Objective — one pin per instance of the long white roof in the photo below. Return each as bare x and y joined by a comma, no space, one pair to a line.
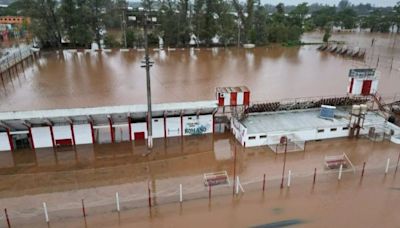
165,107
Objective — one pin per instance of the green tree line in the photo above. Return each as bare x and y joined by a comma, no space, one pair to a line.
231,22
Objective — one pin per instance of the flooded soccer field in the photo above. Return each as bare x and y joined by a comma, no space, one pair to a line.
63,177
271,73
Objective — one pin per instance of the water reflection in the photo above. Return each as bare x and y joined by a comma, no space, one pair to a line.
105,155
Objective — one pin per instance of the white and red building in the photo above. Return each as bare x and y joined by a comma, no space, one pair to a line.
70,127
363,82
233,96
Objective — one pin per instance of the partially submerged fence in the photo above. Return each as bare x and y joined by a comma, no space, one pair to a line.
153,196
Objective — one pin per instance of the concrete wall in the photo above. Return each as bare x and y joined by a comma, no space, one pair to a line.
42,137
197,125
83,134
173,126
62,132
158,128
4,142
252,140
139,127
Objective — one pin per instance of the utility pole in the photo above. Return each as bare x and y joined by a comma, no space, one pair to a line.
123,26
147,65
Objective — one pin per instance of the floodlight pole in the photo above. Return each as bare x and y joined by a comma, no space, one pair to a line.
148,64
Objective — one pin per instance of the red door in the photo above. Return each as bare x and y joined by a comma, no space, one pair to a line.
366,88
220,99
233,98
246,98
139,135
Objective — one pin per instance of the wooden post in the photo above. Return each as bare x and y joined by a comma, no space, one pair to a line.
83,208
340,172
209,191
315,175
7,219
397,165
362,172
263,188
149,193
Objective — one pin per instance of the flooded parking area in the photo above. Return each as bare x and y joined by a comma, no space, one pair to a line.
271,73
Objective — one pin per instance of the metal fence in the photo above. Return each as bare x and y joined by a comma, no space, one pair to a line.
146,194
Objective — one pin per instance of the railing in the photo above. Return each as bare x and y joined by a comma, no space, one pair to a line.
14,56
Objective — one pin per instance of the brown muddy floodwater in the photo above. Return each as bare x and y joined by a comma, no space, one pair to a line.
96,173
271,73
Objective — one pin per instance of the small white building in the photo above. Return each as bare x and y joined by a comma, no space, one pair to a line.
265,129
233,96
363,82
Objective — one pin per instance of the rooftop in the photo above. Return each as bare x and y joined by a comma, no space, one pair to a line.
301,120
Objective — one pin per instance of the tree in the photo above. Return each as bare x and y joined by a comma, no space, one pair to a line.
74,15
97,13
324,16
347,18
298,15
46,24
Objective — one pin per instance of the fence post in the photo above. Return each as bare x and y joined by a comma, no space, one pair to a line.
117,200
149,193
397,165
7,219
83,208
46,215
264,183
289,178
340,172
362,173
180,193
237,185
387,166
315,175
209,191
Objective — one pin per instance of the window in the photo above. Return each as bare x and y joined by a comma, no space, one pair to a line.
333,129
263,136
155,120
190,118
320,130
252,137
345,128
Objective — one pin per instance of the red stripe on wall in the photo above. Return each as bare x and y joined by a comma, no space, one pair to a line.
130,128
111,130
181,126
92,129
31,137
165,127
10,140
351,85
52,135
73,134
213,123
